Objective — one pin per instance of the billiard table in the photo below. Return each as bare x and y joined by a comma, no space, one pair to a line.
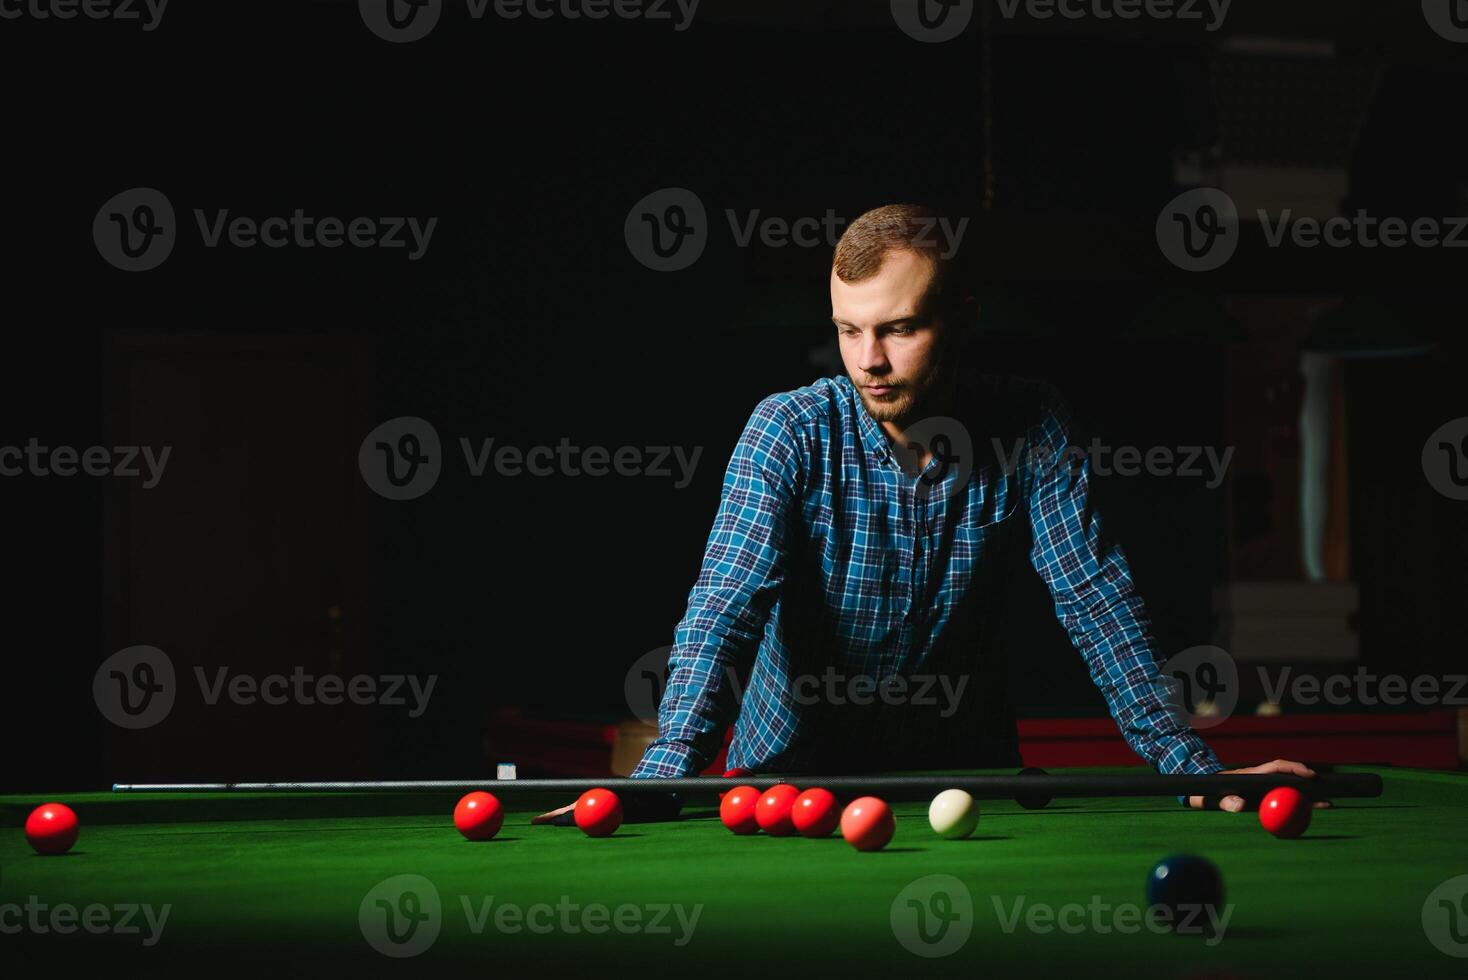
257,883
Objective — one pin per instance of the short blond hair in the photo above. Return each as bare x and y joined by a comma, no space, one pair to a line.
897,227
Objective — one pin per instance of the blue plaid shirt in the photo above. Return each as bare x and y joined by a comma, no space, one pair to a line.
844,620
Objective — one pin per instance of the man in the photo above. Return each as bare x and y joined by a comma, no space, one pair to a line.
857,558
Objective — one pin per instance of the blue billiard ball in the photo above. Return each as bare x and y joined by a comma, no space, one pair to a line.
1190,888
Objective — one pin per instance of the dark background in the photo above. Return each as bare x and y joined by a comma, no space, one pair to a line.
529,320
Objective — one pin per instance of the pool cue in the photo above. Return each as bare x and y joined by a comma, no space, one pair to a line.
1252,785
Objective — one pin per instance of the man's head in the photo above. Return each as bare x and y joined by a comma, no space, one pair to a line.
897,309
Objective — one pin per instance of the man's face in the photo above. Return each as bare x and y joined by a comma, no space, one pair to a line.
891,344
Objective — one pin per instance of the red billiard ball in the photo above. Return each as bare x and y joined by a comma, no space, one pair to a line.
599,813
736,810
1285,812
867,824
772,812
52,828
479,816
815,813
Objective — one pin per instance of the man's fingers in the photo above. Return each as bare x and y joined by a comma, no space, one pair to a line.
545,818
1321,804
1237,804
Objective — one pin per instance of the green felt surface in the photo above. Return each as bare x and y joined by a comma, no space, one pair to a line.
243,895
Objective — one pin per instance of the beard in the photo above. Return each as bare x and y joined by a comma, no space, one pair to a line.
910,398
896,405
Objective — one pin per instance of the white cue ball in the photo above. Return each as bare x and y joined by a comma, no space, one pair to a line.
953,814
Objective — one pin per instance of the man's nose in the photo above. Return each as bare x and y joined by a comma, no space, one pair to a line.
871,357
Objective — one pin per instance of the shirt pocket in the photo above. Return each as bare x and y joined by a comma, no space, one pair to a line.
978,539
992,497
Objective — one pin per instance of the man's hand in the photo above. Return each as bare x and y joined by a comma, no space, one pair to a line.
1234,804
551,817
637,807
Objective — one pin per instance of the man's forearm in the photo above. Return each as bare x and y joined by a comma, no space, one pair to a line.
1116,642
737,582
697,707
664,761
